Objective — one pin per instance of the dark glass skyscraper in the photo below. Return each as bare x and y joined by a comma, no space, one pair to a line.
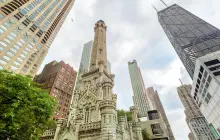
190,36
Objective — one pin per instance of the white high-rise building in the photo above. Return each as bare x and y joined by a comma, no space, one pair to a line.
206,91
140,98
196,121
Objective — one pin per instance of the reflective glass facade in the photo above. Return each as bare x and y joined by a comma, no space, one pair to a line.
190,36
27,29
85,61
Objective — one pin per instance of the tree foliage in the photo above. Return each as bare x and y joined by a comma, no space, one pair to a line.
145,135
25,109
123,113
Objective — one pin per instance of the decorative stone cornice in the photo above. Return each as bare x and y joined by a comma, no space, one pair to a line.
136,124
133,108
90,126
92,71
121,118
107,103
48,133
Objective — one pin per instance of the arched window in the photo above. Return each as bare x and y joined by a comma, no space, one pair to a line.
87,115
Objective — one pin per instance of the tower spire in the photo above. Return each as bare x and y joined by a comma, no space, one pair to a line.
99,53
164,3
155,8
181,82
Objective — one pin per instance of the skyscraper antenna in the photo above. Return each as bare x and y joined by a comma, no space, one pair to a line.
181,82
164,3
154,8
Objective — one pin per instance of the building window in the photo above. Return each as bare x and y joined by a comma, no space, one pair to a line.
212,62
156,129
10,37
6,40
10,54
13,50
3,27
209,79
13,68
216,73
19,59
2,43
1,48
87,115
16,63
16,47
2,62
1,31
152,115
201,69
6,58
19,43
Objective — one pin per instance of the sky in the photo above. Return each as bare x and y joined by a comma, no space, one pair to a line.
133,32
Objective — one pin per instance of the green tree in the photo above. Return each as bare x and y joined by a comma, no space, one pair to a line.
123,112
145,135
25,109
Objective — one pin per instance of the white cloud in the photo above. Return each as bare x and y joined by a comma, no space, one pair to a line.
133,33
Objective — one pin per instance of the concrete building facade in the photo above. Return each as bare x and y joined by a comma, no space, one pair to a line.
93,114
190,36
155,126
206,91
196,121
27,30
140,98
59,79
155,103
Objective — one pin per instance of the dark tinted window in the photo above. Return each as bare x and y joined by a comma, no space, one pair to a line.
212,62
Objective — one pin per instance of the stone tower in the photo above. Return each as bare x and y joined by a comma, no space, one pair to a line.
99,53
93,114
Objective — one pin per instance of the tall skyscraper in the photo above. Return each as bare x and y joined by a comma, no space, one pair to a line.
190,36
196,121
85,61
59,79
27,29
206,89
139,98
155,102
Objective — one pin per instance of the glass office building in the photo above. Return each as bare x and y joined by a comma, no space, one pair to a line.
27,29
190,36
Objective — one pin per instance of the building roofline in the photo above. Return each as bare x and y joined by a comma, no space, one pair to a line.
166,8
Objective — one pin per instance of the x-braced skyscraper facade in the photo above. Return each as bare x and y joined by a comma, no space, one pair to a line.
27,30
190,36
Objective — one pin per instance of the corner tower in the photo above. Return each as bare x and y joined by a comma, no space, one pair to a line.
99,52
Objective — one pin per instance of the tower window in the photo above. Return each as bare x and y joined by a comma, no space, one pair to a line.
100,51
